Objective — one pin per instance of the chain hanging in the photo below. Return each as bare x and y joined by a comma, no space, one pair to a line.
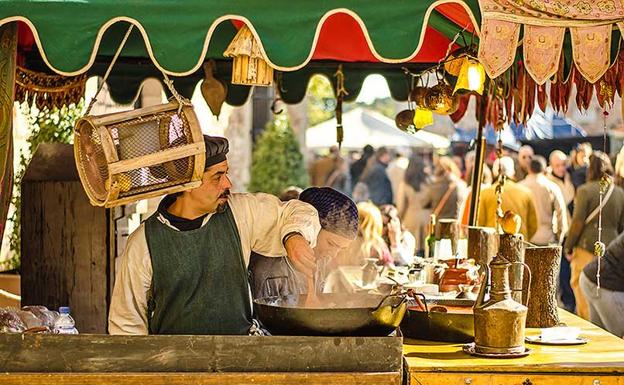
502,178
605,182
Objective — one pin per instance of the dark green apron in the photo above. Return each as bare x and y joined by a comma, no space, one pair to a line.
199,282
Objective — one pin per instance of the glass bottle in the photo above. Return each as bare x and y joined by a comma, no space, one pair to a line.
430,239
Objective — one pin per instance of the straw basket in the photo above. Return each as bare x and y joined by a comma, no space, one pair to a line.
133,155
248,67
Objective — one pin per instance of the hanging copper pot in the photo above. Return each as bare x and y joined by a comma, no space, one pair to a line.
440,99
404,119
419,96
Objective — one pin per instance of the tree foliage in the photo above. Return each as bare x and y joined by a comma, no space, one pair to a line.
45,126
277,159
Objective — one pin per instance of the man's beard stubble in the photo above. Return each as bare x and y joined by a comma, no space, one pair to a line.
222,206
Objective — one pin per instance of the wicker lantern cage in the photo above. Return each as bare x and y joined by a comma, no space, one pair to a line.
133,155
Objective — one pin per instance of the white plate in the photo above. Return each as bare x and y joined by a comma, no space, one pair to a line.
538,340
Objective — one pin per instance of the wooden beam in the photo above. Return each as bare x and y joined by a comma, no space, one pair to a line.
103,353
8,52
390,378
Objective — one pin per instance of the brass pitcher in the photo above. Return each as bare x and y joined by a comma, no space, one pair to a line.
499,323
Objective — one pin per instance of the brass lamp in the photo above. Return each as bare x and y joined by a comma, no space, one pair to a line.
471,76
422,118
249,67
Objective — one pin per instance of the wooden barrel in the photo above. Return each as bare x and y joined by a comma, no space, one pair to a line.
482,245
511,248
544,262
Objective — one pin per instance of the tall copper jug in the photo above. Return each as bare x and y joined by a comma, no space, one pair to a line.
499,323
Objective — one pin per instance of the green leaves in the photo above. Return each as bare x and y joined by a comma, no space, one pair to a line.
277,159
45,126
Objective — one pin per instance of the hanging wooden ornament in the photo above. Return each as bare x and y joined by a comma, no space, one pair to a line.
341,92
249,66
213,90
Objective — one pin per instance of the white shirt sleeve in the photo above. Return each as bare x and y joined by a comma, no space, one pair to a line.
263,222
128,309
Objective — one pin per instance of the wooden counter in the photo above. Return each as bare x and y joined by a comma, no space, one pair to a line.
599,362
177,360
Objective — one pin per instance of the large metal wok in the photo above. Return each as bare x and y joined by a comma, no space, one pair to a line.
448,320
332,314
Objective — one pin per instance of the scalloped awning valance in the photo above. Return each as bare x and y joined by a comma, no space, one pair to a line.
178,36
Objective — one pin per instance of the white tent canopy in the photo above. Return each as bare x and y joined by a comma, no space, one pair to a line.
362,127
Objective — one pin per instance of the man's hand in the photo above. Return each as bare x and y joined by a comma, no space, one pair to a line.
301,254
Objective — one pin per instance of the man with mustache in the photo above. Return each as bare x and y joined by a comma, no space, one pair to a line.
184,270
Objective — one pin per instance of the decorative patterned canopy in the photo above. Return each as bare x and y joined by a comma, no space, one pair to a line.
592,24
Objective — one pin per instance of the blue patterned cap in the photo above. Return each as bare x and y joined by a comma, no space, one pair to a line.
337,212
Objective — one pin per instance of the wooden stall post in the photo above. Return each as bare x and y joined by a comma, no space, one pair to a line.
8,52
544,263
67,256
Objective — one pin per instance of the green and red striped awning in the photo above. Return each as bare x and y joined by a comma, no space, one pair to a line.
299,38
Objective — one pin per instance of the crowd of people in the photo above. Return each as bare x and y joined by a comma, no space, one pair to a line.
557,199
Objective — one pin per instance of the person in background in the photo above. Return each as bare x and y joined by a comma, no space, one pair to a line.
396,173
606,305
558,173
459,162
619,168
376,178
369,242
412,212
357,167
579,245
516,198
525,154
340,179
486,181
580,162
469,161
400,241
323,167
447,191
290,193
552,213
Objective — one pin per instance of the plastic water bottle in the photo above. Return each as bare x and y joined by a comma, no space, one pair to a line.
65,324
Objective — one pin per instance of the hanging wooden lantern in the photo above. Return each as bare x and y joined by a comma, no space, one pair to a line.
128,156
249,67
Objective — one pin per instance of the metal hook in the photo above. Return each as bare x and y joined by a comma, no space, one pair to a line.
274,105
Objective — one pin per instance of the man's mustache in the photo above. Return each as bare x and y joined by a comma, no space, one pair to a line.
225,194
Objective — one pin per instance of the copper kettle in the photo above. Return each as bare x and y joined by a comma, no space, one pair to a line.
500,322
